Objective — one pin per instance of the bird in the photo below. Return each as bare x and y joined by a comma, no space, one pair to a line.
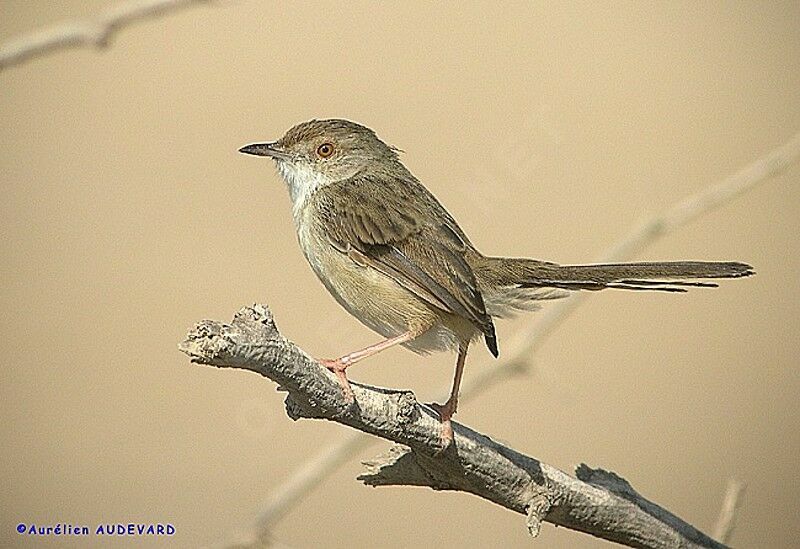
394,258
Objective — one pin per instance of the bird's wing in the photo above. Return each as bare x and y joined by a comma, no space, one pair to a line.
400,229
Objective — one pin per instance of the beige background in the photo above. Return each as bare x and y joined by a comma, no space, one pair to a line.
548,130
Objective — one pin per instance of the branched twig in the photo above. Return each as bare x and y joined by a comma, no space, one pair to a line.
727,515
95,33
517,354
597,502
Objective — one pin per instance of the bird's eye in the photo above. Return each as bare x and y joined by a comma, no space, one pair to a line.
325,150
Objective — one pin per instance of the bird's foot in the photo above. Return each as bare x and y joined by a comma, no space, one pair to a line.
338,367
445,412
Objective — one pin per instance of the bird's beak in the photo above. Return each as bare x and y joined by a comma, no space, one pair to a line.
272,150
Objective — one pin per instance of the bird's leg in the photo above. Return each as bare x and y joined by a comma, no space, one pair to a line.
447,409
339,365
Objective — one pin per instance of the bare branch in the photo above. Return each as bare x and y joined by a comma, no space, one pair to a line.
95,33
516,357
596,502
727,515
319,467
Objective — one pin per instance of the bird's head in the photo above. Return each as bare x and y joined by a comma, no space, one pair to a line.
320,152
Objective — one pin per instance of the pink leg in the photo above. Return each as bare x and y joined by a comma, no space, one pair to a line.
339,365
447,409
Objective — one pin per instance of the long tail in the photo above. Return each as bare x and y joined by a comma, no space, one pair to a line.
670,276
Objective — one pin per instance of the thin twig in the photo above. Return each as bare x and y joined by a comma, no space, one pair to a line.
96,33
517,354
727,515
308,474
594,501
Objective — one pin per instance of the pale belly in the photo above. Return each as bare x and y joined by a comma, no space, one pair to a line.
378,301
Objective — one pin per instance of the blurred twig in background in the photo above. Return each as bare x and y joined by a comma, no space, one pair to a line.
517,359
727,515
95,33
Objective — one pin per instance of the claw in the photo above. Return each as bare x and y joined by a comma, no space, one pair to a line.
447,435
445,413
338,368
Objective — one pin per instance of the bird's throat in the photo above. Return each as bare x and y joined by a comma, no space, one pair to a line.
302,181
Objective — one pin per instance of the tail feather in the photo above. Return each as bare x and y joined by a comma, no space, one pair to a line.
655,276
668,286
510,284
671,276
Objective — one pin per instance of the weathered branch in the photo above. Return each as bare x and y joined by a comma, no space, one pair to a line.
596,502
95,33
517,355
